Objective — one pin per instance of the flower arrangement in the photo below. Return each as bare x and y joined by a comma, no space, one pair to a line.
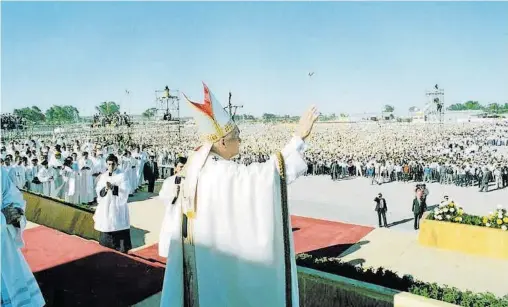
497,219
448,211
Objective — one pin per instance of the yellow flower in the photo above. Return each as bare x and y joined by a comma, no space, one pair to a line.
499,221
485,220
452,205
460,211
505,220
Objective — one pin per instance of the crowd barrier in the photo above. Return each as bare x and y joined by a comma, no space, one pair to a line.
59,215
320,289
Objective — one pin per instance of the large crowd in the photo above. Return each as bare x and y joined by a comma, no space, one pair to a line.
115,120
12,122
67,166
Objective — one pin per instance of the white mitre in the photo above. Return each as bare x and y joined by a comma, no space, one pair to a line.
213,122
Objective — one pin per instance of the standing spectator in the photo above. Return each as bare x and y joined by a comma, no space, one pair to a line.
419,207
381,209
151,173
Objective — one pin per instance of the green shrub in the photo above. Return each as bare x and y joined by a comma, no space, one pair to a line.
406,283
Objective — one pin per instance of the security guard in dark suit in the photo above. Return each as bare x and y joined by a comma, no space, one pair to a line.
419,206
381,209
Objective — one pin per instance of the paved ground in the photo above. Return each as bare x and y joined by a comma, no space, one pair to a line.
351,201
400,252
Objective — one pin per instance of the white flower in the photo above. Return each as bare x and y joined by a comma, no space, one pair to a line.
499,207
448,216
504,228
445,209
452,209
488,224
500,215
436,210
439,217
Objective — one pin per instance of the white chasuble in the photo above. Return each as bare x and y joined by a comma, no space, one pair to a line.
112,212
19,287
238,233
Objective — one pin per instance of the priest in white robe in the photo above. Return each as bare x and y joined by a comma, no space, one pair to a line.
19,287
99,167
232,244
45,176
112,213
18,174
86,187
34,184
69,177
126,168
134,174
168,194
57,184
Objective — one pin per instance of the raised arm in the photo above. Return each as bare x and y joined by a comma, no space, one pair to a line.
293,152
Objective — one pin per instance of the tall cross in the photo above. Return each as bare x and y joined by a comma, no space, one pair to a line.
231,107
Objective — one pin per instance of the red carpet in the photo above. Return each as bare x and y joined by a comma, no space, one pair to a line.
75,272
313,236
151,254
325,238
72,271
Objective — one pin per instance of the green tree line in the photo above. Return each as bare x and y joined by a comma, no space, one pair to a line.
475,105
62,114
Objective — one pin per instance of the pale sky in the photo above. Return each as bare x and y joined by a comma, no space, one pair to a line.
364,55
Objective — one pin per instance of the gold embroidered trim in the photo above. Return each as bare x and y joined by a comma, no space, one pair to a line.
285,229
220,131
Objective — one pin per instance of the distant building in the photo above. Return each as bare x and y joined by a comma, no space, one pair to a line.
461,116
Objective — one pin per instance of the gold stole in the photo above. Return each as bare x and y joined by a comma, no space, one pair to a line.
285,229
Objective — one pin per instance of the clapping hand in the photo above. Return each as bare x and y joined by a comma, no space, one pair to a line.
307,122
12,215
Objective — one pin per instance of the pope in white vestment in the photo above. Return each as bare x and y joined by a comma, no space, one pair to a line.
231,241
19,287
